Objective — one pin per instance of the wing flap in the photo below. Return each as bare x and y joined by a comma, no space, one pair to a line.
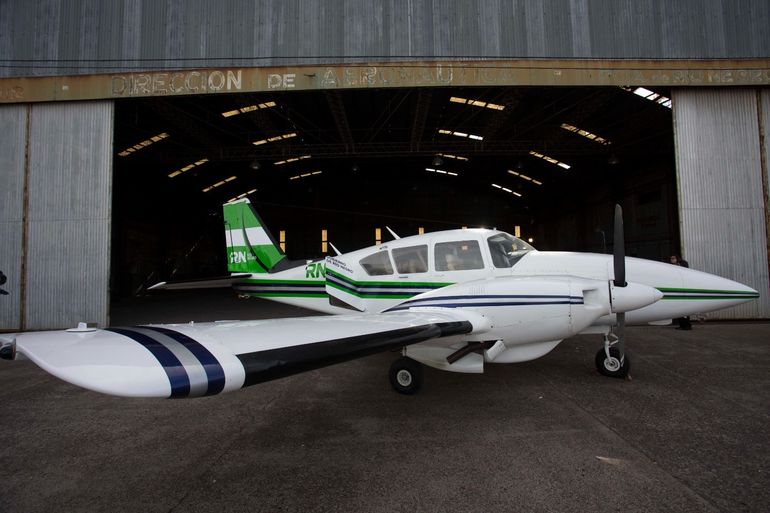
275,363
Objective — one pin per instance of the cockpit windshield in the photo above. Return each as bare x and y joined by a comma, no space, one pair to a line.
506,250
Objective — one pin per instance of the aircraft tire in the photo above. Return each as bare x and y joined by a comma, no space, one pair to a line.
611,366
406,376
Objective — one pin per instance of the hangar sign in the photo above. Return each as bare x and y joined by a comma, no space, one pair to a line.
181,82
668,73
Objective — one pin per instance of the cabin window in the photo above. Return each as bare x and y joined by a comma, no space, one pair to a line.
377,264
507,250
413,259
458,256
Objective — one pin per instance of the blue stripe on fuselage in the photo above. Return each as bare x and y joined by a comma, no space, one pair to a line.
454,303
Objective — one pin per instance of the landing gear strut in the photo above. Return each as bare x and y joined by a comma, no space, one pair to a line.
406,376
608,359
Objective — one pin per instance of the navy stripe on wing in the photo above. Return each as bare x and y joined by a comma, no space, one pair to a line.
177,375
214,371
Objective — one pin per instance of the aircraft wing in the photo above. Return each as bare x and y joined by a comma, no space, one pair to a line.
199,359
201,283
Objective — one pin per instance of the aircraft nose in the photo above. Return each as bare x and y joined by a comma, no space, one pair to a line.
713,290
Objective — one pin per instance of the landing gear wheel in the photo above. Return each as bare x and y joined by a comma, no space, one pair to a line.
406,376
611,366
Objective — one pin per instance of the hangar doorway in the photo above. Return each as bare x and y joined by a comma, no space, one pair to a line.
547,161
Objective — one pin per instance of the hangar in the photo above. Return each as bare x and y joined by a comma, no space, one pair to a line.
127,126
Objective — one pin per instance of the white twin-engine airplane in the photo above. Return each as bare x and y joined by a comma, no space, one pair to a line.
454,300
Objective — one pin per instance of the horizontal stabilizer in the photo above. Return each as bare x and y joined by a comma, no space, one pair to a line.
201,283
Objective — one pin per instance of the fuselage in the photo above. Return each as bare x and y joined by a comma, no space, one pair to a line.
383,277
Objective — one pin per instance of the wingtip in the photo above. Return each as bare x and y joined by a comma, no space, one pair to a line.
8,347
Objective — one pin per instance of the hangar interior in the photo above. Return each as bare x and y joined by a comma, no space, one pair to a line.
546,162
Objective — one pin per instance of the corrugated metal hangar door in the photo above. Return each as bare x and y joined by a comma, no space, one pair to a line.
720,161
55,223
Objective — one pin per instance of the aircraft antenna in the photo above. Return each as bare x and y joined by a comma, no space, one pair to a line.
395,236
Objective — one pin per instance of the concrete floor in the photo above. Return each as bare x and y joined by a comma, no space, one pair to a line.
689,432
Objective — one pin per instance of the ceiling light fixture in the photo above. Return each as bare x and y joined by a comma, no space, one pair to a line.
550,160
293,159
305,175
252,191
440,171
476,103
506,189
249,108
220,183
525,177
460,134
275,139
649,95
143,144
585,133
450,156
187,168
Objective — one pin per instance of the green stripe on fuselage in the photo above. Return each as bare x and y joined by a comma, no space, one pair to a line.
681,294
257,281
393,284
373,295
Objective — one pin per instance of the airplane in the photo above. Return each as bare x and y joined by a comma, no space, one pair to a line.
454,300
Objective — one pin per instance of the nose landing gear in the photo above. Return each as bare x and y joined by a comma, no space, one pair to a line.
609,361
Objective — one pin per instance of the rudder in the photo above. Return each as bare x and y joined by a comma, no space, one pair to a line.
250,246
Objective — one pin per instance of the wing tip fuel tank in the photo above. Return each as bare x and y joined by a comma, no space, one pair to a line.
133,362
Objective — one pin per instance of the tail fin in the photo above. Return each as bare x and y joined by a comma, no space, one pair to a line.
250,246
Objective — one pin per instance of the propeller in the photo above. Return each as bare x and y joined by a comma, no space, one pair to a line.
619,266
619,256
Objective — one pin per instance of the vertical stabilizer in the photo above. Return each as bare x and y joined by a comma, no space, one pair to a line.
250,246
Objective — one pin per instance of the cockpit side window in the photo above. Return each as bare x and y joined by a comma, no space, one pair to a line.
458,255
377,264
413,259
506,250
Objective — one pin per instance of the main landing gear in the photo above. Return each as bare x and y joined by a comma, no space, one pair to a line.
406,376
608,359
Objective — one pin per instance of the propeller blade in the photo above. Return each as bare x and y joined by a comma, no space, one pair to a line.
619,265
618,251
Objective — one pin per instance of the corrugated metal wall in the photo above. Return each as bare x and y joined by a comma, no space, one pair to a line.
147,34
720,184
70,174
764,98
13,127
